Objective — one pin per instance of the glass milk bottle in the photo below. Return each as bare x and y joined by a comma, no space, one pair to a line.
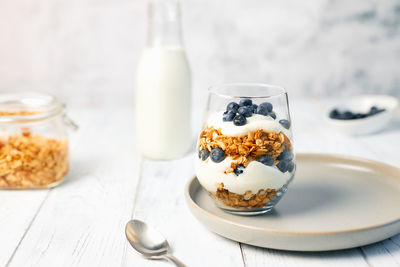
163,86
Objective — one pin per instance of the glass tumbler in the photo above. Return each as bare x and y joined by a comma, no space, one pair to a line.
245,158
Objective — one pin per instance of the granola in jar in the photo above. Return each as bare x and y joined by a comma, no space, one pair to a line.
33,141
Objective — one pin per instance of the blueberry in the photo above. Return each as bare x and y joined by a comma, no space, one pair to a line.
266,160
217,155
239,169
348,115
272,115
228,115
239,120
267,106
334,114
283,165
360,116
340,117
290,166
373,110
245,102
285,123
203,154
254,108
245,111
286,155
232,106
262,110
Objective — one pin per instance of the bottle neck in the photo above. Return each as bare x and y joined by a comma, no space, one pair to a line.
164,24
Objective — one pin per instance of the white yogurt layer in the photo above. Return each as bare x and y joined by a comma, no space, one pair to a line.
256,176
255,122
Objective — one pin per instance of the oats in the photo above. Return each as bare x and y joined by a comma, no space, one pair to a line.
248,200
247,195
259,142
32,160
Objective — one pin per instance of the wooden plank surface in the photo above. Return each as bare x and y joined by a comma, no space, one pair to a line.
161,203
256,257
17,211
81,222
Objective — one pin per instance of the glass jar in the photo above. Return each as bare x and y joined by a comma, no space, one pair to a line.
33,141
245,149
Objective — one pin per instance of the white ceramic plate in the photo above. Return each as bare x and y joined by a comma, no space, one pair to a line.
334,202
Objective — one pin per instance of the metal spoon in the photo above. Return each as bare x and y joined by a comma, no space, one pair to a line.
149,242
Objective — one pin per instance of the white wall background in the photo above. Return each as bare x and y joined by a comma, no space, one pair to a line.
82,49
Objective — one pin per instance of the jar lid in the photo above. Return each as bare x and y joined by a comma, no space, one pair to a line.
28,107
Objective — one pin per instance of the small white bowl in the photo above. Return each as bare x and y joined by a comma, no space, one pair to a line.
362,104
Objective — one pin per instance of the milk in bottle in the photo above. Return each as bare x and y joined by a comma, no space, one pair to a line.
163,86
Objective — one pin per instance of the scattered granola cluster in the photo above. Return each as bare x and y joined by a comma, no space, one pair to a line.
28,161
248,200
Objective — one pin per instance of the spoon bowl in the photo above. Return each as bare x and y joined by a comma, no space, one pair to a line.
148,241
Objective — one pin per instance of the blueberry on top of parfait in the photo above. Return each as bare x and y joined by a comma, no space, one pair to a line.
245,102
262,110
254,108
268,106
245,111
265,109
239,120
228,115
232,106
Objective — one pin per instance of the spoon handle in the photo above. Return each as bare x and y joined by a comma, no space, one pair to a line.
174,260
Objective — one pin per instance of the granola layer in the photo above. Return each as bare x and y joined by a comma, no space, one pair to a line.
248,200
28,161
245,148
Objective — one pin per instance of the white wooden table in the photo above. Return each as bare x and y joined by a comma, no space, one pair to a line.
81,222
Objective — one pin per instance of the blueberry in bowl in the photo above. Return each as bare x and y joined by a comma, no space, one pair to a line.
349,115
362,114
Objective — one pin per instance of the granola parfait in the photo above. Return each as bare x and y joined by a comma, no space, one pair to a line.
245,157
